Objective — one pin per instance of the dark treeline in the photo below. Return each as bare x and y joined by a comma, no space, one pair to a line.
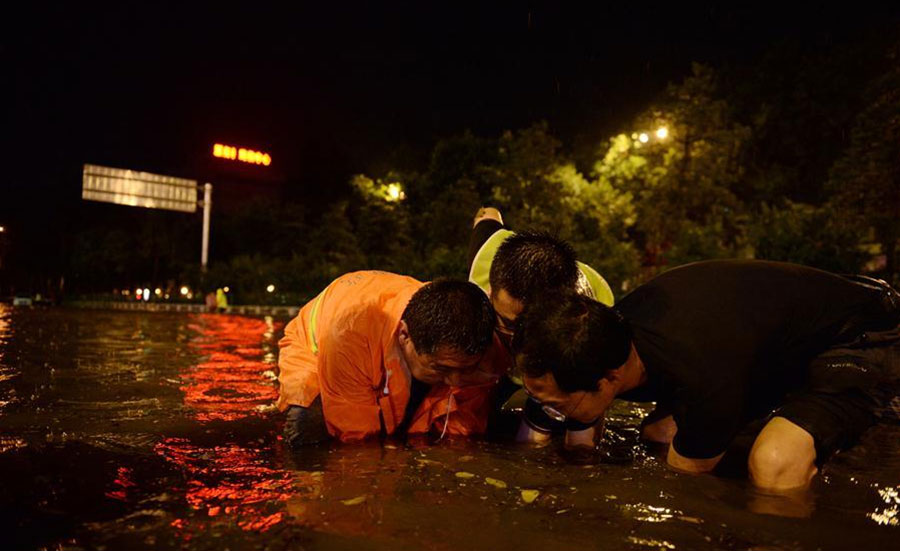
795,157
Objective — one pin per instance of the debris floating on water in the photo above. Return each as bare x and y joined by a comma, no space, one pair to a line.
464,474
529,496
354,501
495,482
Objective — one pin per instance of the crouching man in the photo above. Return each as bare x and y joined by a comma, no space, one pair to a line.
811,357
377,353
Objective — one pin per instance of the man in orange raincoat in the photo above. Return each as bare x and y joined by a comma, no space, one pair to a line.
380,353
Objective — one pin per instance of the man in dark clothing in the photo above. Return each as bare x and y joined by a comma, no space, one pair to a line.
718,345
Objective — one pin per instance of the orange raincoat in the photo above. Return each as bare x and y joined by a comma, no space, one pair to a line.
343,346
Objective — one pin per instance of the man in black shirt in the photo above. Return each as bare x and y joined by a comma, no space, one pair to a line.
718,345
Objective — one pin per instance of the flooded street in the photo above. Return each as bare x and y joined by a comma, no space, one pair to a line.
131,430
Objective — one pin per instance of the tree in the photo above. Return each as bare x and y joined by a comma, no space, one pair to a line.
865,180
682,169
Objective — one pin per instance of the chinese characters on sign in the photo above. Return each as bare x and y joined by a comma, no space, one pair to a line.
232,153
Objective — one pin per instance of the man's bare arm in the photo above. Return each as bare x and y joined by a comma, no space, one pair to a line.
689,465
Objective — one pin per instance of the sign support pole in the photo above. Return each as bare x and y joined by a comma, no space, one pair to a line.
207,207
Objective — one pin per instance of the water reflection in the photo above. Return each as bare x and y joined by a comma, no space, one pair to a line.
235,378
649,513
890,515
654,544
6,372
232,381
228,481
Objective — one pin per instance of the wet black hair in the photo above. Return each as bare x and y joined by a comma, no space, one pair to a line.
452,314
574,337
530,263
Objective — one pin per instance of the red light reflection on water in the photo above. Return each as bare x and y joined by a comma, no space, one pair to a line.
230,483
230,382
121,483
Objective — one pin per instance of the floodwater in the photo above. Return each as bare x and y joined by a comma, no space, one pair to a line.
131,430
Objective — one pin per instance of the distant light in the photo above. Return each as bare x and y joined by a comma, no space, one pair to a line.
139,292
190,296
167,296
395,192
662,133
158,292
227,290
126,292
270,288
242,154
634,135
185,291
146,294
2,229
643,138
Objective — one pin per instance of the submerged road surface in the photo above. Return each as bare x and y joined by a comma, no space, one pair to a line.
132,430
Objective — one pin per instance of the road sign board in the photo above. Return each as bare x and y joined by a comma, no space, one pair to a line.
138,189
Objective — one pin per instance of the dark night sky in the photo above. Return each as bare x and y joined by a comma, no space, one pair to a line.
335,90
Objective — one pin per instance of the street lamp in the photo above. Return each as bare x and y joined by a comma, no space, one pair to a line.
662,133
395,193
270,288
2,229
644,138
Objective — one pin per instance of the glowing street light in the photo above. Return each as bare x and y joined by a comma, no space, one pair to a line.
158,292
2,229
226,289
146,294
395,192
662,133
643,138
184,290
270,288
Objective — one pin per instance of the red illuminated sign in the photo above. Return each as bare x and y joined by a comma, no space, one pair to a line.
232,153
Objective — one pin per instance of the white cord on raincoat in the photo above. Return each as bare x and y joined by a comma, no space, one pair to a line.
447,417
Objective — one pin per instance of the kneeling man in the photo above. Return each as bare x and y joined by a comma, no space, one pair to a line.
380,353
721,344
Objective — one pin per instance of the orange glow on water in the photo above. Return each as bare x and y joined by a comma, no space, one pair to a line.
231,381
234,378
231,482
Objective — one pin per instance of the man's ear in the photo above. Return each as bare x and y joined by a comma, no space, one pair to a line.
403,333
609,381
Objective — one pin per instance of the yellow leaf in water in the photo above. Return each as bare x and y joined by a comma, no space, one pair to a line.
465,458
464,474
530,495
494,482
354,501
